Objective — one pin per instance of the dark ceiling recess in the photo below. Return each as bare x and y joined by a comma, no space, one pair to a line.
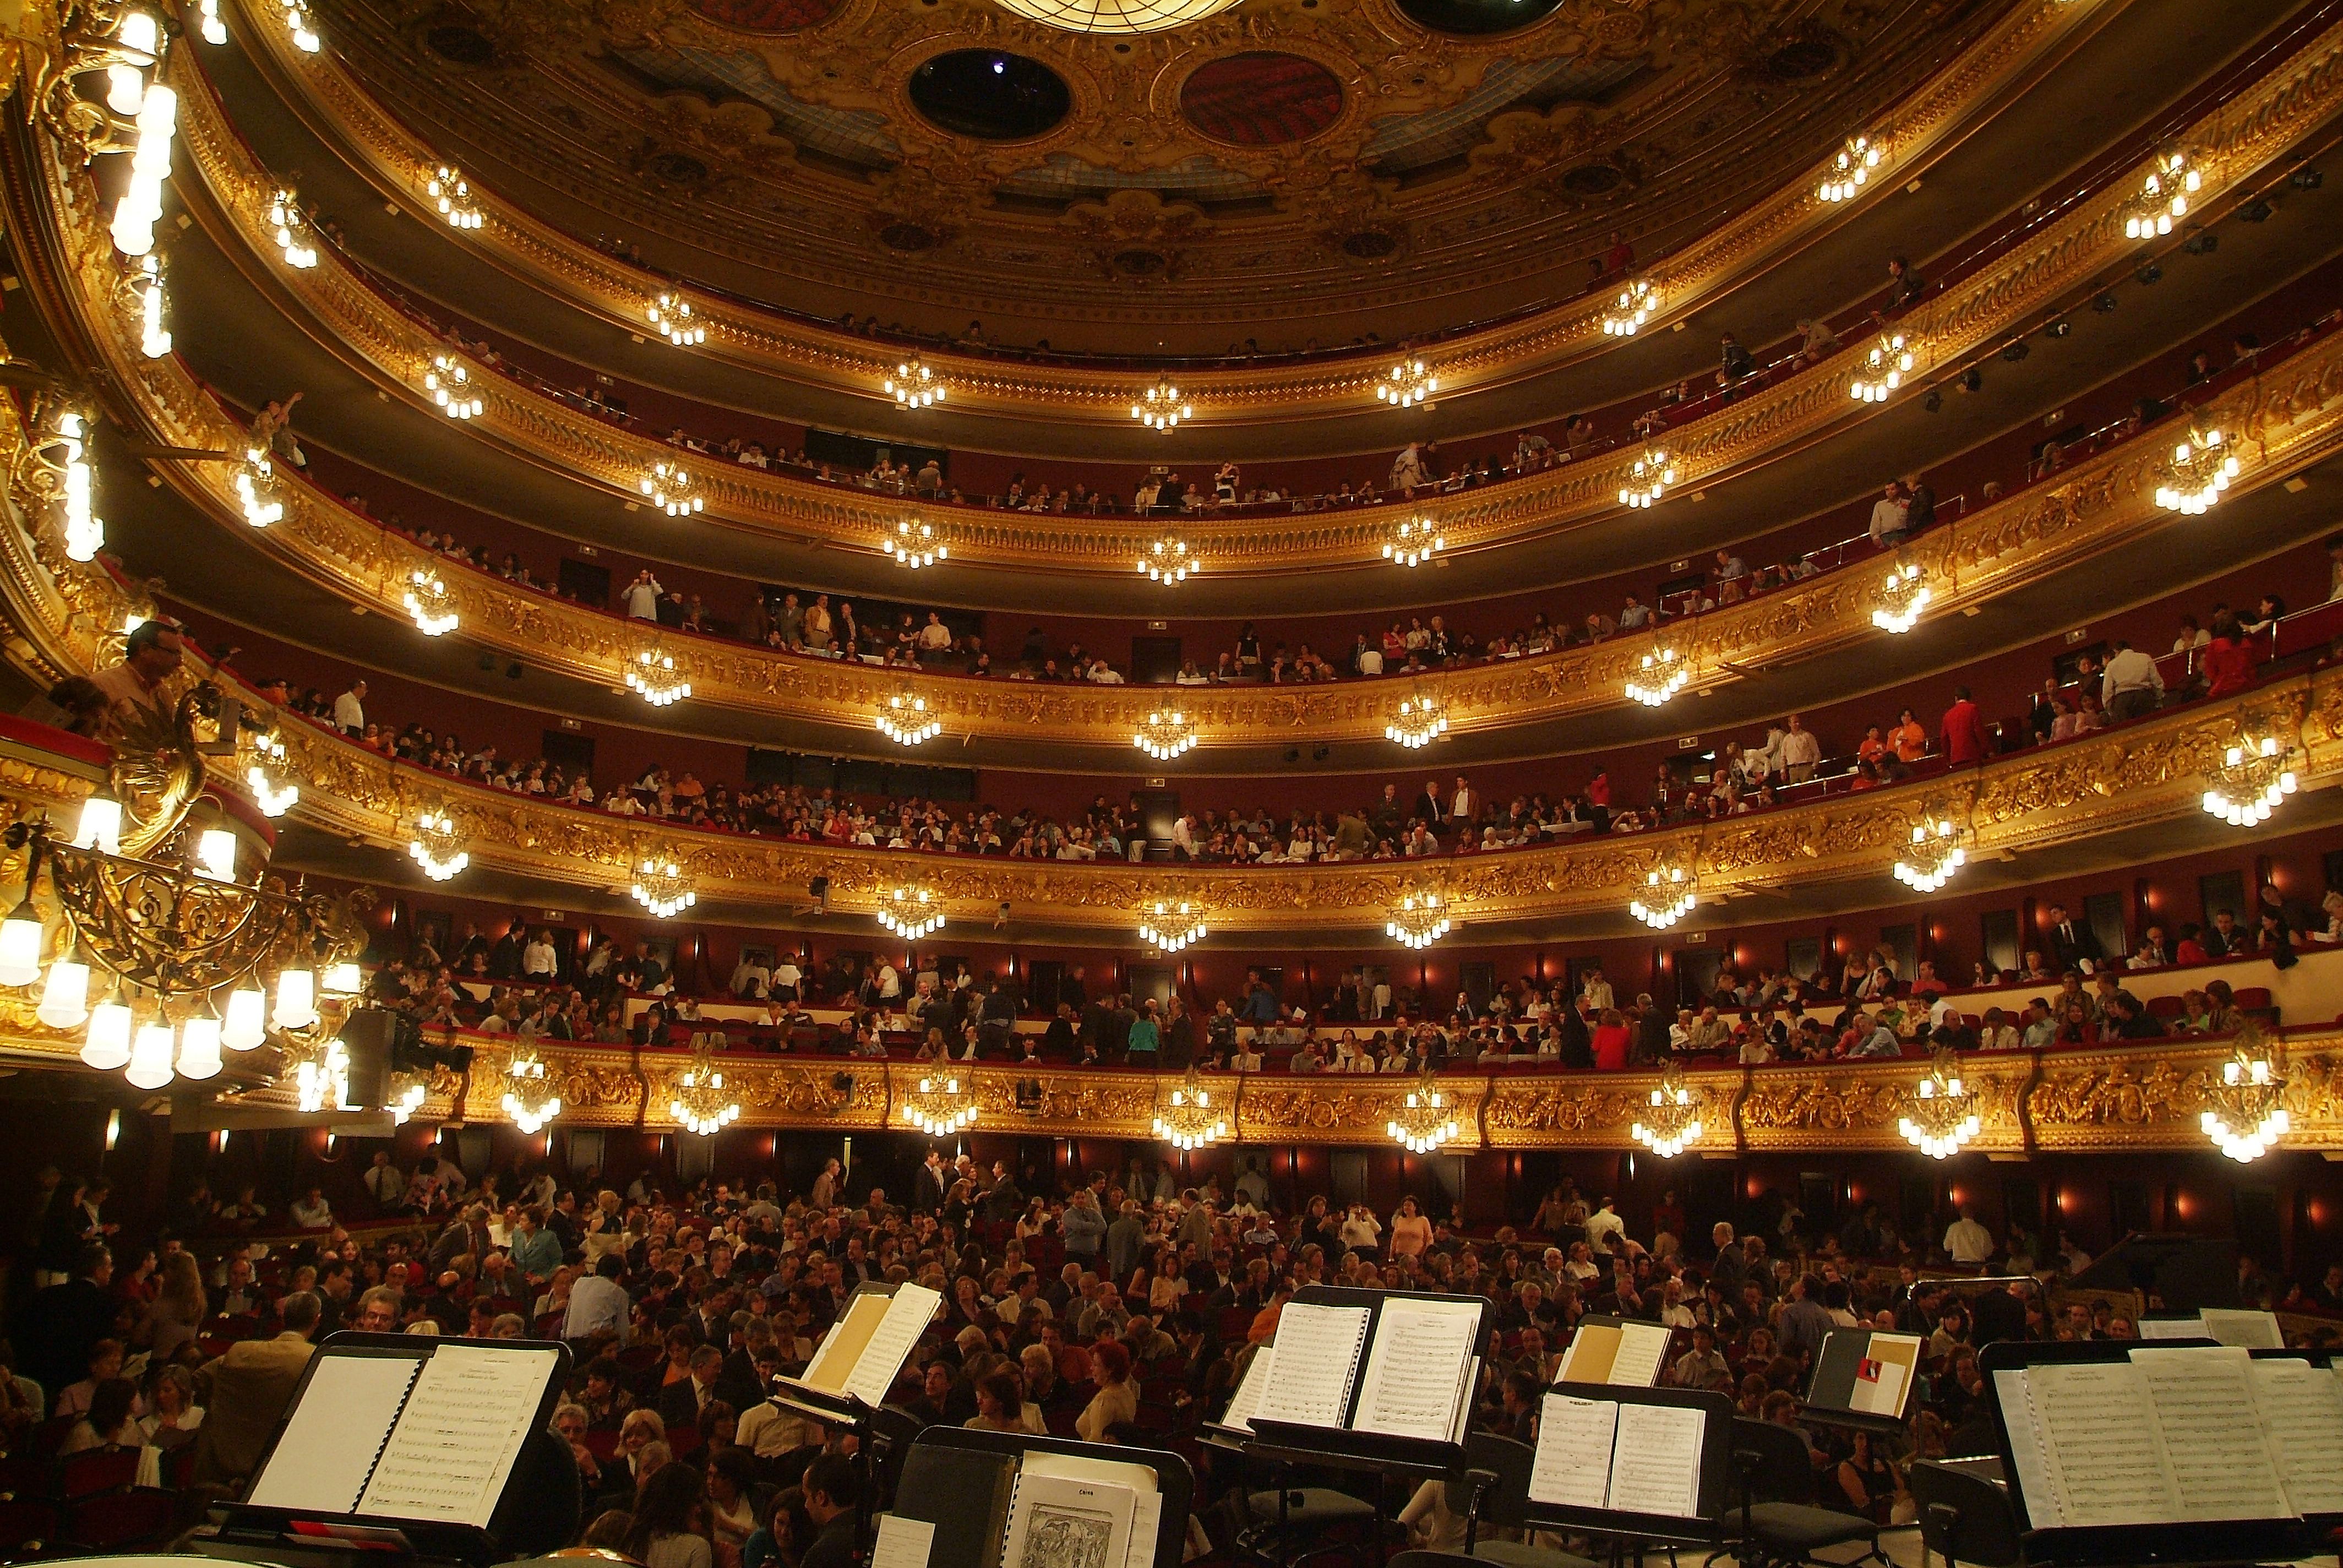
989,95
766,15
1478,17
1261,99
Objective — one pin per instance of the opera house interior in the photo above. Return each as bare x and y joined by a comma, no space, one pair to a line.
1120,783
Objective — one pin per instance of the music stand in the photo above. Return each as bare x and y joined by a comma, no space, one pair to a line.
1713,1493
1863,1381
949,1466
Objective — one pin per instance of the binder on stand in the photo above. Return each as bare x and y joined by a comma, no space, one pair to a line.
972,1499
848,1375
1369,1380
1612,1350
1863,1381
1652,1464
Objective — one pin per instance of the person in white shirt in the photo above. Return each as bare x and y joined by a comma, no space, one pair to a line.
1890,515
349,709
1800,752
1603,1225
890,984
1966,1241
785,979
642,595
1597,991
312,1213
537,959
2131,685
750,979
597,1302
1466,803
935,637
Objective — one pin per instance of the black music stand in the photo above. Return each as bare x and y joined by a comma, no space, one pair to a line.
1839,1379
1714,1494
950,1467
851,1412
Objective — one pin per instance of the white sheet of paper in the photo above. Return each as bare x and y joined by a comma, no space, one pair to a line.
1247,1399
456,1442
2192,1328
2098,1430
1882,1395
2221,1460
2249,1329
2301,1407
1415,1376
1642,1348
1146,1521
903,1543
321,1463
1655,1461
1317,1358
1572,1467
909,1313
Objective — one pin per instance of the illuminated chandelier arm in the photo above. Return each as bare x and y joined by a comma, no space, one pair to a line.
158,927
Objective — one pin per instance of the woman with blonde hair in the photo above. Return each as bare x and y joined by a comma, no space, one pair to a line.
180,1306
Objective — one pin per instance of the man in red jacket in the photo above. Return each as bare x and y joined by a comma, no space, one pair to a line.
1964,729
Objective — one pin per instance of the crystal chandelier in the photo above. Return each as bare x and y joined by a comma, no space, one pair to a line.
1668,896
303,32
1169,925
1418,921
1632,309
1188,1119
451,386
292,229
436,845
258,489
1417,722
1671,1120
214,30
2163,195
670,488
700,1103
530,1097
662,888
1941,1114
1164,734
1647,479
911,912
429,602
1661,674
1407,384
450,192
914,386
2245,1109
1883,371
1934,854
672,317
1160,408
903,717
939,1107
1413,541
1169,561
1902,598
146,284
2250,781
913,544
268,774
1423,1121
2201,469
1849,170
652,673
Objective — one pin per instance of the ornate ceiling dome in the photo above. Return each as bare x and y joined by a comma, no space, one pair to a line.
1117,15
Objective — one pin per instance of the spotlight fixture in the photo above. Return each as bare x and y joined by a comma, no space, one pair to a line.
2015,349
2258,210
2105,301
2250,781
1407,384
1934,854
913,545
671,315
1169,561
2058,328
912,910
652,673
1849,170
451,193
1669,895
1972,379
1418,921
2148,273
1634,306
1883,369
2200,468
661,887
438,845
1160,408
903,718
2306,179
451,386
1902,598
430,602
1164,734
1934,401
670,488
2204,242
914,386
285,217
1648,478
1417,722
1413,541
1168,925
1661,675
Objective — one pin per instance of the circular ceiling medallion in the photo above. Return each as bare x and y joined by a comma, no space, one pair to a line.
1116,16
766,15
989,95
1260,99
1477,17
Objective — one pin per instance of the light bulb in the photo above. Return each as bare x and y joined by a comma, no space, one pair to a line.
64,1000
215,855
150,1055
100,826
344,978
296,1000
199,1047
243,1029
108,1046
20,946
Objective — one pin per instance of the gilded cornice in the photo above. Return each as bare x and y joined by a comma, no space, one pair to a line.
2233,141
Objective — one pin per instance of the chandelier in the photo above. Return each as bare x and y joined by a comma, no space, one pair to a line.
1164,734
1849,170
903,717
1671,1121
2201,469
2245,1109
321,1082
452,195
1425,1120
1187,1119
1668,896
913,544
407,1093
1941,1114
437,846
1407,384
1417,722
1632,309
258,489
1413,541
60,470
1647,479
292,229
1902,598
1883,371
2250,781
1160,408
1933,856
911,912
672,489
146,288
1169,561
1418,921
914,386
451,386
1169,925
939,1107
700,1103
430,602
1116,16
297,23
652,673
662,888
268,774
529,1098
2163,195
670,316
1662,673
136,113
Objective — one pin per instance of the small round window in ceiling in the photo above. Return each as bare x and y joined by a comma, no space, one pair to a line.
1477,17
989,95
1116,16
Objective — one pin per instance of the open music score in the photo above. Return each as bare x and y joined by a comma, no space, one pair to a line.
1613,1350
1598,1453
1416,1382
864,1351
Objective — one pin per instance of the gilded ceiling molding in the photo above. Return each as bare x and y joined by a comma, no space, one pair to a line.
1329,199
2233,141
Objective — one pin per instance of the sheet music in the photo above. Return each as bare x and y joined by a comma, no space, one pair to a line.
319,1465
1655,1464
909,1313
2221,1463
1415,1371
455,1443
1058,1522
1572,1467
2187,1327
903,1543
1146,1521
2252,1330
2098,1439
1317,1358
2301,1406
834,1360
2037,1484
1247,1399
1642,1348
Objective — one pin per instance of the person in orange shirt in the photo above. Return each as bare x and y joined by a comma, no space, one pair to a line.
1873,747
1908,739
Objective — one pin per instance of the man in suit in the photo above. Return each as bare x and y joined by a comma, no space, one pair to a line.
62,1322
933,1183
2072,945
1428,806
680,1400
830,1489
251,1384
2222,938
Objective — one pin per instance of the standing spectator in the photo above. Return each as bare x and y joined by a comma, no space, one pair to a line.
1966,741
349,710
2131,685
642,597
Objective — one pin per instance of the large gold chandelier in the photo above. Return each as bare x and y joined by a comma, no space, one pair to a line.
1902,598
451,386
653,674
914,545
1188,1119
1168,561
2245,1106
531,1099
429,602
914,386
1648,478
1659,675
663,887
1160,408
1883,369
1934,854
1418,921
672,316
1671,1120
1417,721
1413,541
451,195
258,491
1634,306
2250,781
1670,893
670,488
1407,385
2163,194
939,1107
1165,733
1425,1121
1941,1114
699,1101
292,230
903,718
2200,468
437,844
912,910
268,772
1850,170
1168,925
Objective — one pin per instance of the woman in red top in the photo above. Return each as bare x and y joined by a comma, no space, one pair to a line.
1610,1038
